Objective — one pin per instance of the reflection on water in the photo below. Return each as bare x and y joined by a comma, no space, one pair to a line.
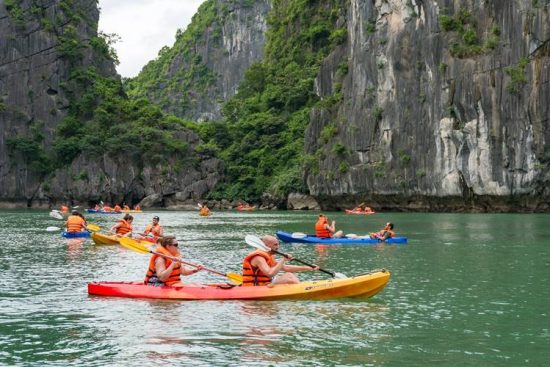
468,290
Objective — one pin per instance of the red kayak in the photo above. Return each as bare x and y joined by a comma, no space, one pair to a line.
357,212
365,285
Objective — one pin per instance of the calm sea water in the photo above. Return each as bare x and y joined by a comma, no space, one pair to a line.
468,290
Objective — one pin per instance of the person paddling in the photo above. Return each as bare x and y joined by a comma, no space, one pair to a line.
204,211
124,226
154,229
324,230
260,267
163,271
75,222
383,234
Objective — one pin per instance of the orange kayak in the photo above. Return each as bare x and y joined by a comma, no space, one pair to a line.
365,285
350,211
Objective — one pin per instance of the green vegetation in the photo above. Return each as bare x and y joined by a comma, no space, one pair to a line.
261,137
467,43
517,76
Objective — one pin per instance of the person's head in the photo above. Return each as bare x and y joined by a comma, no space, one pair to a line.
323,217
128,217
75,212
271,241
389,225
170,243
156,219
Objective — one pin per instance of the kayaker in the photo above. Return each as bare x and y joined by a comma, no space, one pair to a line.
324,230
204,211
383,234
64,209
126,208
137,208
260,267
117,209
124,226
154,229
163,271
75,222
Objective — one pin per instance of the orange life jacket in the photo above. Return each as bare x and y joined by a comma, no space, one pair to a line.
64,209
320,229
253,276
124,228
75,223
174,276
204,211
154,229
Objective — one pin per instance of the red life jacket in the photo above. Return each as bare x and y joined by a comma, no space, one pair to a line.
175,275
253,276
320,229
124,228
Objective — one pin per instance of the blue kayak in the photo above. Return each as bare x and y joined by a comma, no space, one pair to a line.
290,238
93,211
82,234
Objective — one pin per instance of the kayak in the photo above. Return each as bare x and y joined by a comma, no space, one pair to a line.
81,234
349,211
288,237
364,285
246,208
104,239
93,211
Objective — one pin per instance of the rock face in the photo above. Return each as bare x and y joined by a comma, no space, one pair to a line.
208,61
441,105
42,42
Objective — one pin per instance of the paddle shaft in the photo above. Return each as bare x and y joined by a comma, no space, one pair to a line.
173,258
306,264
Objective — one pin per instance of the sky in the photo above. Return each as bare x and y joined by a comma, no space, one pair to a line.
144,26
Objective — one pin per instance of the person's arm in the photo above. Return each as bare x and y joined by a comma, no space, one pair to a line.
163,272
332,227
386,235
161,232
261,264
113,228
299,268
189,271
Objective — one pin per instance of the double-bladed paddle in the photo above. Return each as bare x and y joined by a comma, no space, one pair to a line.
89,227
256,242
136,246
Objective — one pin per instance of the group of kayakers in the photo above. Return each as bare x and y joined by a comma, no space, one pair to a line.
117,208
258,267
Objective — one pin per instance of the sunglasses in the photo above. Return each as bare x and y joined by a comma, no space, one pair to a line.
174,244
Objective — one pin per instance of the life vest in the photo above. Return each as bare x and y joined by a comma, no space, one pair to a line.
174,276
253,276
320,229
64,209
124,228
204,211
75,223
154,229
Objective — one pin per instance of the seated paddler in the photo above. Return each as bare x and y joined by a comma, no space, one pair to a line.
261,268
165,271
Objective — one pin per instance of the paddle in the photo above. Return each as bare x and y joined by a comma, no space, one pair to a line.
136,246
89,227
53,229
254,241
56,214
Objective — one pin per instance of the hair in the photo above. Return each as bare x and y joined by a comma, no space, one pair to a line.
75,212
167,240
391,225
128,217
157,218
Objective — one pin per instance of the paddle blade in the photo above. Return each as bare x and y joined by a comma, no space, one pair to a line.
93,228
199,205
133,245
340,276
53,229
255,241
235,278
55,214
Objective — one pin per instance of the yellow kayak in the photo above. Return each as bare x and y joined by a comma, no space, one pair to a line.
104,239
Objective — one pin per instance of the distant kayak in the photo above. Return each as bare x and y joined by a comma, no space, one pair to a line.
288,237
93,211
350,211
365,285
246,208
82,234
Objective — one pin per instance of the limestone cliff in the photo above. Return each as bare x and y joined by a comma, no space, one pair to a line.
59,94
437,105
204,67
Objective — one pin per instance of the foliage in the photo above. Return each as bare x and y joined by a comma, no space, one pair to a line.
517,76
261,138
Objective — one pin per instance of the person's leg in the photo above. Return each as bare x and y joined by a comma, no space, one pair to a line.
286,278
338,234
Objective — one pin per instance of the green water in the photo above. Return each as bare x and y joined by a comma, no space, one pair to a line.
468,290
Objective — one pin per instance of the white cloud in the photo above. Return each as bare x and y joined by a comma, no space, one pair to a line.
145,26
